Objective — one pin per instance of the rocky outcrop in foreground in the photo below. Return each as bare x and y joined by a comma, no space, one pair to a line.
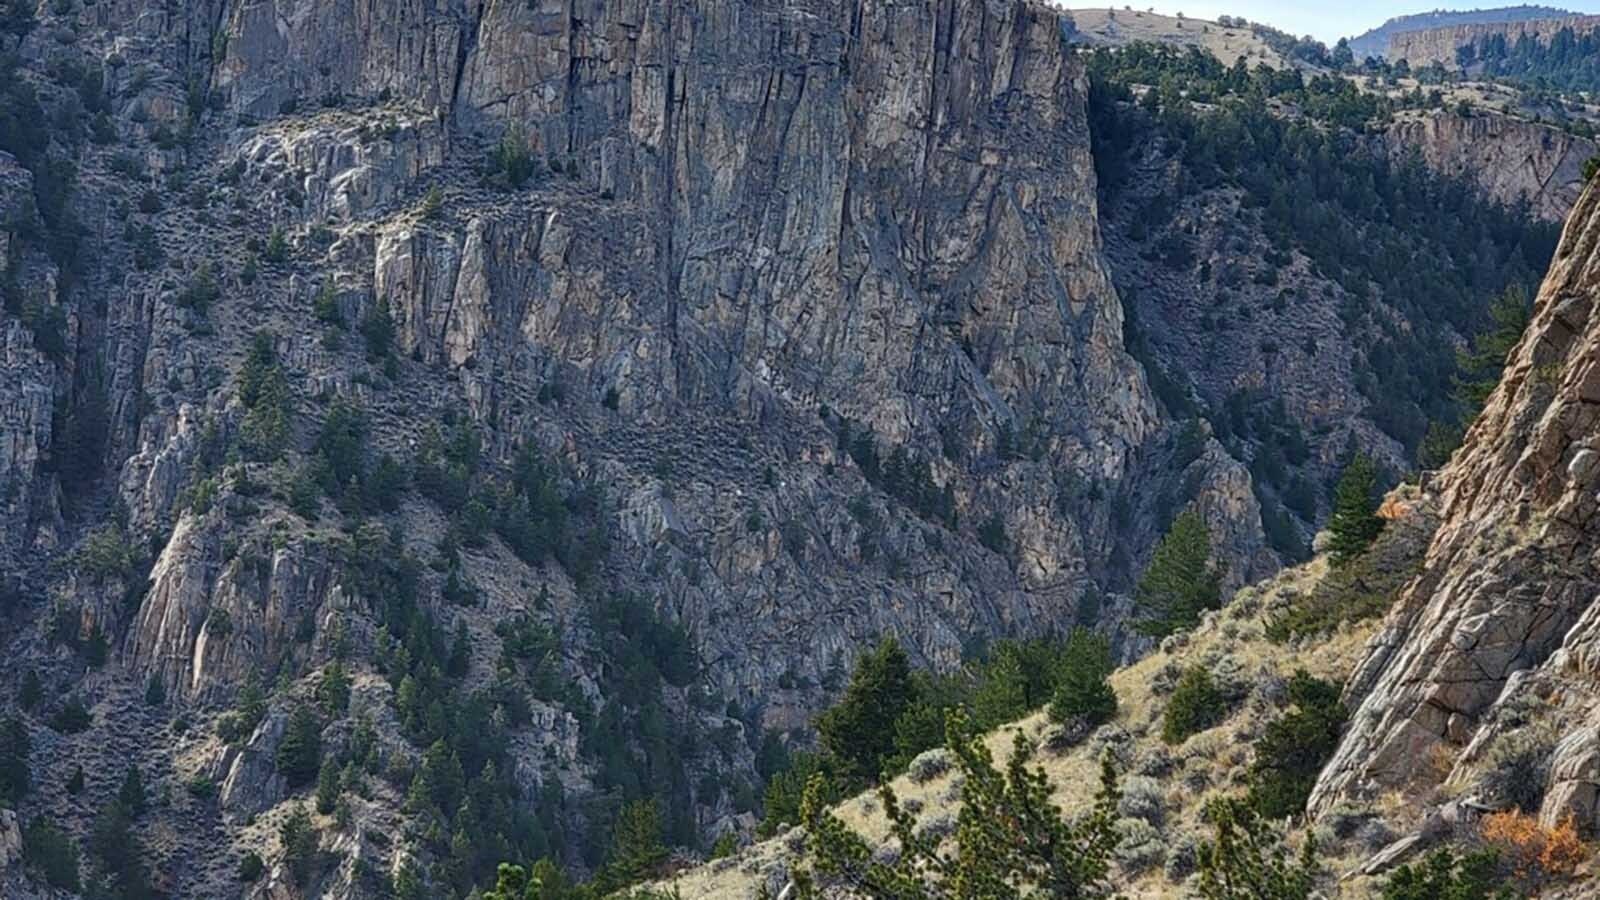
1496,640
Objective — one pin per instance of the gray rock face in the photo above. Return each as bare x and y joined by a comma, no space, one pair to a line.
27,376
746,226
250,783
10,839
205,623
1511,160
1508,587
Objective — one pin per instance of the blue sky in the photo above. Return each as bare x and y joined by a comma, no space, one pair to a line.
1330,21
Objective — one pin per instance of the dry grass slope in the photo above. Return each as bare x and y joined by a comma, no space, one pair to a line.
1105,27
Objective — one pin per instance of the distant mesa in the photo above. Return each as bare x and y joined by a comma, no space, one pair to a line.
1381,41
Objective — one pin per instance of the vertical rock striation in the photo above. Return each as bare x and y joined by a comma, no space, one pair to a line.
1504,611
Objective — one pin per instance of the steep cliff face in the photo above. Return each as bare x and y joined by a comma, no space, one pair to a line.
1494,640
1439,45
1376,42
1511,160
739,276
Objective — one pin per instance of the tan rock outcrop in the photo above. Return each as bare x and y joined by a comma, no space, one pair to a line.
1439,45
1509,585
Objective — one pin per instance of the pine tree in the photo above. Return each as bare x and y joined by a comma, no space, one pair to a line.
1180,582
1248,861
333,693
1294,747
780,803
50,852
277,247
1002,693
726,844
1195,705
300,751
1444,876
252,702
440,780
131,795
155,690
1478,372
96,649
992,533
1438,445
859,730
1354,524
15,748
1083,690
327,786
460,659
250,867
75,781
636,846
1479,368
546,881
121,853
1011,838
298,838
31,692
407,884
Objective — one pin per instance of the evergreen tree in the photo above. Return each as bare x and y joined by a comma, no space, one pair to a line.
726,845
50,852
277,247
327,786
440,780
407,883
96,649
1445,876
1083,691
637,851
460,659
333,693
1002,693
1248,861
155,690
264,391
1294,747
1354,524
249,709
31,692
859,730
1180,582
546,881
1481,366
75,781
300,751
1195,705
72,717
250,867
780,804
15,748
121,853
298,838
1438,445
1011,839
992,533
131,795
252,702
